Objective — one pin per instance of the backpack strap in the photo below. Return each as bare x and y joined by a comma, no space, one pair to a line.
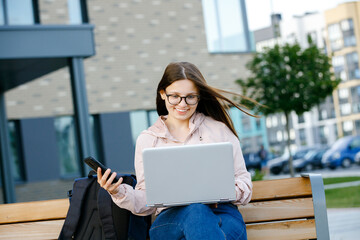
105,211
72,218
110,212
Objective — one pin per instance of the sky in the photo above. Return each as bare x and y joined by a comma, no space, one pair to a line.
259,11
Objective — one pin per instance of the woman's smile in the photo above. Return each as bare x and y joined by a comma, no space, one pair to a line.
181,111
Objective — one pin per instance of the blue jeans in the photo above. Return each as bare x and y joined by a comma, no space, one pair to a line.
199,221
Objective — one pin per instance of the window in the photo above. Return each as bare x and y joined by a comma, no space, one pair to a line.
226,26
324,134
17,166
139,122
355,97
347,27
2,17
342,35
153,117
74,12
246,123
301,118
20,12
258,123
77,11
292,134
345,109
347,128
357,127
283,119
352,62
279,136
343,95
274,121
302,136
273,137
268,122
67,146
322,114
335,38
338,63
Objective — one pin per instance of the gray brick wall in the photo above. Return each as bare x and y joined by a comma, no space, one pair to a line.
135,40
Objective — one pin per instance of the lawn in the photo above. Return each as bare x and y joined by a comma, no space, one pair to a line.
340,180
348,197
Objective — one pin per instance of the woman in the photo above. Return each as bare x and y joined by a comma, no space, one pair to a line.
190,112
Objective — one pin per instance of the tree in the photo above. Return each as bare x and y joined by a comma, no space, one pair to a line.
288,78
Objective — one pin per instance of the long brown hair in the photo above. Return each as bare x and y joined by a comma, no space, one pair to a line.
212,103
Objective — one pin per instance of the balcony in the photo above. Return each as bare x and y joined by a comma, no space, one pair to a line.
28,52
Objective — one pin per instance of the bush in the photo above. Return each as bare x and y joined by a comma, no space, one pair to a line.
258,176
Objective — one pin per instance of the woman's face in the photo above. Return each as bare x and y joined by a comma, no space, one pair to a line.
180,110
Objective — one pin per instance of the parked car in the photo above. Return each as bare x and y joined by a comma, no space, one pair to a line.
280,164
310,161
252,162
357,158
342,153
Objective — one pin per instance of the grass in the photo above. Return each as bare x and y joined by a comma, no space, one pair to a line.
348,197
340,180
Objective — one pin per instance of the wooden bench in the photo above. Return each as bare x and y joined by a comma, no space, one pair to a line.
291,208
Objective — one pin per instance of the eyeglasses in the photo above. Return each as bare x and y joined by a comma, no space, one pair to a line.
174,99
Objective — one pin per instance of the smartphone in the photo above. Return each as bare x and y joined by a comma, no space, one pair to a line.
94,164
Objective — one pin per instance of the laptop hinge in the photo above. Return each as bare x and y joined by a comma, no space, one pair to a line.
158,205
224,199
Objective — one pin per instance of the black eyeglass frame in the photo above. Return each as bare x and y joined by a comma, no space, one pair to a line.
181,98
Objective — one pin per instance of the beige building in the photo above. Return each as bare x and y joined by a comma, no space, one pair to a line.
135,40
343,45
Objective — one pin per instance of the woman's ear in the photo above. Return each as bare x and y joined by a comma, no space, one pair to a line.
162,94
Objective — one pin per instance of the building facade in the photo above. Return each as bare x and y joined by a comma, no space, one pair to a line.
134,41
343,46
30,50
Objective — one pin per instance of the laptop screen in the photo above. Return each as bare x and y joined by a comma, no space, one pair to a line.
181,175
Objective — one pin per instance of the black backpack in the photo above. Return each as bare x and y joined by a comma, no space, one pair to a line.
93,215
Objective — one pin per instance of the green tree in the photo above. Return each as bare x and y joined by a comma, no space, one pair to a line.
288,78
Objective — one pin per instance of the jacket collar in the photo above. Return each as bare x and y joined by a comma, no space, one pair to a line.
159,129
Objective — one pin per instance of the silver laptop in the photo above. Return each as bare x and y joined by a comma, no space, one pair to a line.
188,174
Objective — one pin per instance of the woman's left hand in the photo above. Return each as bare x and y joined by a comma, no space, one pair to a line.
106,182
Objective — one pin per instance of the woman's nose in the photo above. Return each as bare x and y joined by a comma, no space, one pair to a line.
182,102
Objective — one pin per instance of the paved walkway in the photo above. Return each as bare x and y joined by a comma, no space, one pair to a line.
342,185
344,223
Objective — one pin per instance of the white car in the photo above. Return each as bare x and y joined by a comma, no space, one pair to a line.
357,158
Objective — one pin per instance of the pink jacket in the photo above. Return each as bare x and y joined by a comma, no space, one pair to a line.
203,129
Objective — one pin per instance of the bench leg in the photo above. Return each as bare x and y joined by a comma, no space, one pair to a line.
319,201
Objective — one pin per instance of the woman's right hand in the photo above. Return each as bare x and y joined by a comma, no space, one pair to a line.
106,182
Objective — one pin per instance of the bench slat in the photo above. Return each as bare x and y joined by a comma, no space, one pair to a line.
277,210
32,230
291,230
304,229
34,211
281,188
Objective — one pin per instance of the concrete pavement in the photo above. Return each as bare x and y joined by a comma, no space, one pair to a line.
344,223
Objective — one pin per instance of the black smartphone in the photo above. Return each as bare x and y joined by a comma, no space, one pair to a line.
94,164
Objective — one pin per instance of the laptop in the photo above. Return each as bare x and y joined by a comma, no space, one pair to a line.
181,175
